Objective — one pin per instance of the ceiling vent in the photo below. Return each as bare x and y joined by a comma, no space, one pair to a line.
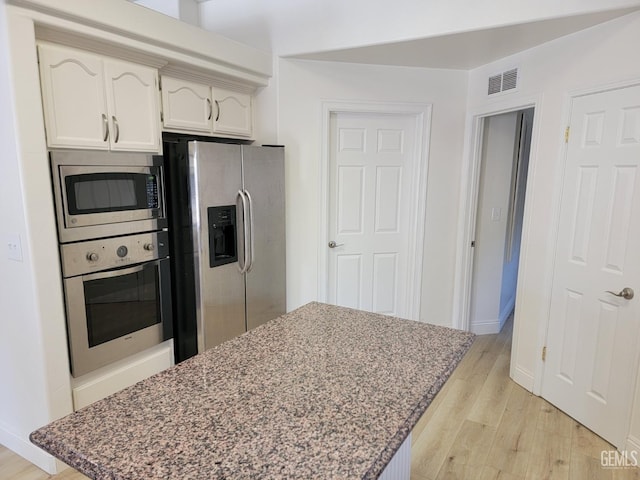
503,82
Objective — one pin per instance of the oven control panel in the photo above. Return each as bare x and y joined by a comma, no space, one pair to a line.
108,253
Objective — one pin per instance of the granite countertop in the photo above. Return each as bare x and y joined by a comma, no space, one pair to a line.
323,392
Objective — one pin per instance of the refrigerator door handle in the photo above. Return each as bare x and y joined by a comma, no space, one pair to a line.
251,236
244,266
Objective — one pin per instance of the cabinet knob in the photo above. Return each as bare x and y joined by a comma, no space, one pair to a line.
92,257
149,247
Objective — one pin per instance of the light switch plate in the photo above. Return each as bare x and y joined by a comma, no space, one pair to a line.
13,246
496,214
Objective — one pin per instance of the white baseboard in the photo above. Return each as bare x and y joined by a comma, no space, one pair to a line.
633,444
29,451
494,326
486,328
522,377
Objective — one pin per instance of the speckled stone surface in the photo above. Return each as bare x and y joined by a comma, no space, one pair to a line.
320,393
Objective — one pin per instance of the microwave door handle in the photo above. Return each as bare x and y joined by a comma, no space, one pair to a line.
116,273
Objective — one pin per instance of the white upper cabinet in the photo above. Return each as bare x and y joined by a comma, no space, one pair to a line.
133,106
97,102
75,110
186,106
233,113
200,108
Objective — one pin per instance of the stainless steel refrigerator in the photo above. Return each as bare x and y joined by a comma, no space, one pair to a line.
227,221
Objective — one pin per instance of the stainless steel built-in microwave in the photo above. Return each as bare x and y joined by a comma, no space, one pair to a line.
104,194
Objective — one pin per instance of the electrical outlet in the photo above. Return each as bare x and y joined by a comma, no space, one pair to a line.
13,246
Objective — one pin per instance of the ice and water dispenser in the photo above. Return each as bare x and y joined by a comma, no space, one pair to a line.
222,235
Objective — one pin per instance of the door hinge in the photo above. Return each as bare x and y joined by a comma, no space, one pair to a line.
544,353
566,134
473,243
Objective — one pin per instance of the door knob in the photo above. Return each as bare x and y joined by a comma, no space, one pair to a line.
626,293
333,244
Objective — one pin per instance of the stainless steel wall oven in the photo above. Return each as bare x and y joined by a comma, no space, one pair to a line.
114,251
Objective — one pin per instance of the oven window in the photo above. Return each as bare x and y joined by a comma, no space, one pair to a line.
123,304
111,192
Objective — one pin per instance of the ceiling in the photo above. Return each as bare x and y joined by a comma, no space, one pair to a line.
467,50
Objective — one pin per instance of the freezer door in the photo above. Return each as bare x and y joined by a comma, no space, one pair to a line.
216,173
263,169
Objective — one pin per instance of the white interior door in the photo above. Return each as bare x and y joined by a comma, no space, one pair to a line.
372,162
592,342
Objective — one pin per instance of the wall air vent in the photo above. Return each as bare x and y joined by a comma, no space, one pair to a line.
509,79
503,82
495,84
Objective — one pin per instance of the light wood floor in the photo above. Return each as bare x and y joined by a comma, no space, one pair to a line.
484,426
480,426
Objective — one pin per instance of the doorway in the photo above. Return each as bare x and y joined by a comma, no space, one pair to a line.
504,161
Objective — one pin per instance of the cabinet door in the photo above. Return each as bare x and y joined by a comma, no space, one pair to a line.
133,105
186,106
233,113
75,111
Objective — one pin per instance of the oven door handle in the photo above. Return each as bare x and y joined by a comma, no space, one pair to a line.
117,273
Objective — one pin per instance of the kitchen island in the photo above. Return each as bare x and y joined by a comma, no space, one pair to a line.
323,392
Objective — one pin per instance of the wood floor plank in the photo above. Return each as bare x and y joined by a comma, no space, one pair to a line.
475,367
491,402
626,473
550,458
431,448
433,407
479,359
554,421
492,473
14,467
515,436
585,442
587,468
468,453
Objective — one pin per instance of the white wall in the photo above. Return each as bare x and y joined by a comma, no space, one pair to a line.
185,10
599,56
303,85
491,222
34,371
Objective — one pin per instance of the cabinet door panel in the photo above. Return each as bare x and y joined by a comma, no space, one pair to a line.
73,98
186,106
132,98
233,116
